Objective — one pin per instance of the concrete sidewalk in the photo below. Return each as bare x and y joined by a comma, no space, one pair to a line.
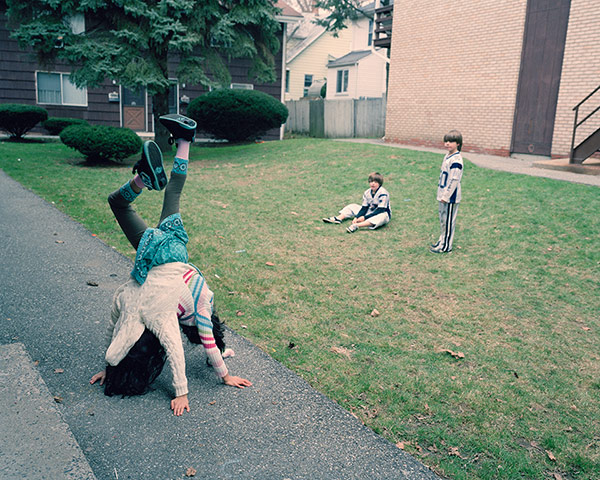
56,288
588,173
30,412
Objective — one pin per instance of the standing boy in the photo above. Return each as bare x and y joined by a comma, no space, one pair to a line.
374,212
448,194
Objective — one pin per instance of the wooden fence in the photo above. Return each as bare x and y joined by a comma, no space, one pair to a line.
337,118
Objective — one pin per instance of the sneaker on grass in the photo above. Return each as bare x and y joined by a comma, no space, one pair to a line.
332,220
352,228
438,250
150,167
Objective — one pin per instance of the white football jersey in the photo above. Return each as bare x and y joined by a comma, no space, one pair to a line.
381,199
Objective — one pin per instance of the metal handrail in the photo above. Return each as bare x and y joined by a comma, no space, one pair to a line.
586,98
578,124
589,115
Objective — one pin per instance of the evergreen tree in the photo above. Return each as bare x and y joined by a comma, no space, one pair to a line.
131,41
340,11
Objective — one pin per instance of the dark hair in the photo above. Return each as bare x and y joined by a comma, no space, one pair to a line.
376,177
146,359
140,367
454,136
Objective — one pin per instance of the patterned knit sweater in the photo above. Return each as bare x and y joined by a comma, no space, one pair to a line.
166,294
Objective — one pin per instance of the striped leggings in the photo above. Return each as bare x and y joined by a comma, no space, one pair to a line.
447,221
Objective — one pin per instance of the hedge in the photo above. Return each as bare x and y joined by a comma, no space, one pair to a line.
101,142
18,119
55,125
237,115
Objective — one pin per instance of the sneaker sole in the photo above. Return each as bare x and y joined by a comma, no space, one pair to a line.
155,161
178,126
433,250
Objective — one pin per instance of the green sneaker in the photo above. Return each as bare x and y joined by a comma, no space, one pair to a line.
150,167
179,126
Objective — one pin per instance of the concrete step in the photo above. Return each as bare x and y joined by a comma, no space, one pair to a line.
36,443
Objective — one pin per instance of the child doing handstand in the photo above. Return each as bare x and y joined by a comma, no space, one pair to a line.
165,291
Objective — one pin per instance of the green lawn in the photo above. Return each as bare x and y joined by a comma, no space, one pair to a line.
518,297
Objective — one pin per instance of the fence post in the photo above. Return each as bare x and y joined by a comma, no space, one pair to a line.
355,111
317,118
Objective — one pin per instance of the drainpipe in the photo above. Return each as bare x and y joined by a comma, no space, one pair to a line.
383,57
283,75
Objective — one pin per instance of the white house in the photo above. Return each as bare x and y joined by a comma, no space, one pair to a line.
310,48
316,57
360,73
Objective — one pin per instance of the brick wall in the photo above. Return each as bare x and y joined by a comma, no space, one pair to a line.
455,64
580,76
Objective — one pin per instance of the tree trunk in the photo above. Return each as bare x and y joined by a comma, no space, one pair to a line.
160,106
160,100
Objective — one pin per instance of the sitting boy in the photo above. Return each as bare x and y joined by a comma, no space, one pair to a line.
374,212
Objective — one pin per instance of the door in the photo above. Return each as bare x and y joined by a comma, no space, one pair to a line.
539,79
134,109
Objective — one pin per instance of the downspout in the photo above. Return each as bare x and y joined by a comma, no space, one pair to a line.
355,96
383,57
283,74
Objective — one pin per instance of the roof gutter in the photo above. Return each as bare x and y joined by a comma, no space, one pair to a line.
287,18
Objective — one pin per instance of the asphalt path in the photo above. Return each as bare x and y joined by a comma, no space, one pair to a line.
56,286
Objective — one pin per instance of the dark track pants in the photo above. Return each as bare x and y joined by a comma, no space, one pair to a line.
131,223
448,213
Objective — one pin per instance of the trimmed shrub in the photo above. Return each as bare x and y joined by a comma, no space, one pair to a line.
102,143
18,119
237,115
55,125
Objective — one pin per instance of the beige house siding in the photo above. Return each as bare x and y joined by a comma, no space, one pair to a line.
366,79
313,61
371,77
455,65
581,75
360,39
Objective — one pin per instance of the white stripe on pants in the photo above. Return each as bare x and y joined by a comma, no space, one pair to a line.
447,220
